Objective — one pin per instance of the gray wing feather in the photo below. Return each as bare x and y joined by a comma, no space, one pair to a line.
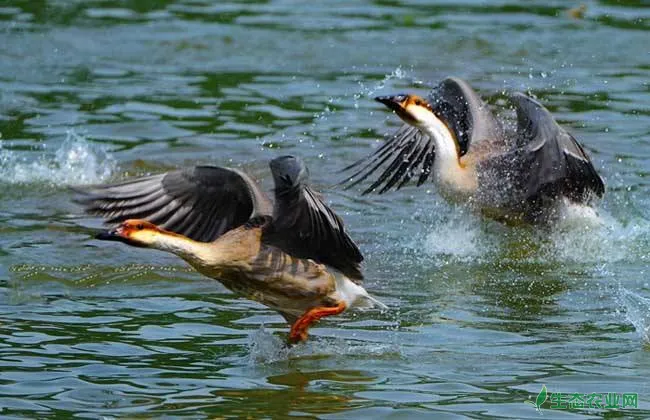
201,202
554,160
305,227
467,115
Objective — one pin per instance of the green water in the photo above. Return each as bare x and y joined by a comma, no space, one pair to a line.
481,315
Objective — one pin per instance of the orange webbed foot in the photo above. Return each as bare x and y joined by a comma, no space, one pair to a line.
299,328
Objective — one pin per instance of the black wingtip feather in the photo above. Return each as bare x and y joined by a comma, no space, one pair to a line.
405,150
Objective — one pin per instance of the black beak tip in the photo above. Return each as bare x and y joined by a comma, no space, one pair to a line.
398,104
108,235
393,102
384,99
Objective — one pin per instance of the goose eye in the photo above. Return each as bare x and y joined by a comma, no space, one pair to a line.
139,226
418,102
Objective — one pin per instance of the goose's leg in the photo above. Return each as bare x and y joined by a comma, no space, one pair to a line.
299,328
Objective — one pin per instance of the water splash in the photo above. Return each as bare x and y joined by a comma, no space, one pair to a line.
76,161
330,109
591,238
364,91
637,312
367,91
573,214
459,237
583,235
264,347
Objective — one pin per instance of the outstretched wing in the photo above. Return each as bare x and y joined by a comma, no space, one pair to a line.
201,202
304,226
554,161
466,114
409,152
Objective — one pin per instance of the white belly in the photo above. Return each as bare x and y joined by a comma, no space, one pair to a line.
454,183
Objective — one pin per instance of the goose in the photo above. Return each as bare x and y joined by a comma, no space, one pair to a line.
521,175
293,256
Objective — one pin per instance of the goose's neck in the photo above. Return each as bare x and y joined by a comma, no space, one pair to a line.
191,251
448,173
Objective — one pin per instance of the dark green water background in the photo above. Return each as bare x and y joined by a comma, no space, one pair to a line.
480,316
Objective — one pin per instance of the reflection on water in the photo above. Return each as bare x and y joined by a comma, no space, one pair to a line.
480,314
281,403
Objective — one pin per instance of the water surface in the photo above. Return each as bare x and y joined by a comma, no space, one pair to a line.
481,315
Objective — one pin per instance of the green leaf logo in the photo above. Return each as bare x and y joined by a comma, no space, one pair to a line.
541,398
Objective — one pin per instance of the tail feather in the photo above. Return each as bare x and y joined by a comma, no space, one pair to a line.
368,301
354,295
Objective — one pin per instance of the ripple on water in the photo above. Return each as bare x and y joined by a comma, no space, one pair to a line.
637,312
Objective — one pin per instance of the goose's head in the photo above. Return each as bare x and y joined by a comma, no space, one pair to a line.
135,232
412,109
288,172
